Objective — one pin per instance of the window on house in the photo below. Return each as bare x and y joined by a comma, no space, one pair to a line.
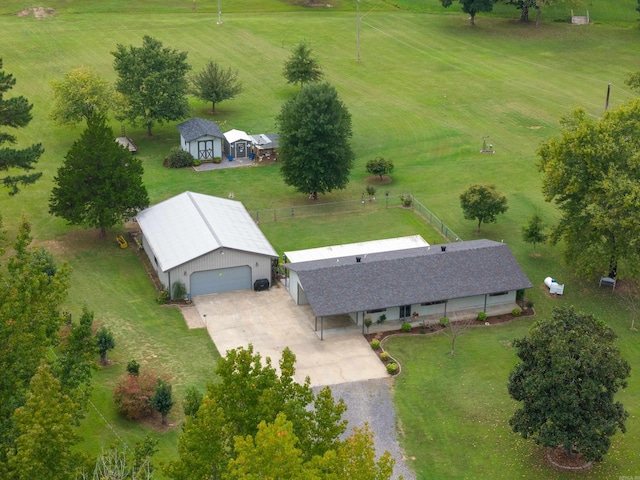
498,294
377,310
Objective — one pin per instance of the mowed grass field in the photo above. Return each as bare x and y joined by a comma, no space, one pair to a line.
427,89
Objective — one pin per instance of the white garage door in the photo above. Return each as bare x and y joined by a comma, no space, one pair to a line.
220,280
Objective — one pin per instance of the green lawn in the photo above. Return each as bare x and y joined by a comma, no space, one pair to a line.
427,89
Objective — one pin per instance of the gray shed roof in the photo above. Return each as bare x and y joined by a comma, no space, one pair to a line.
266,141
190,225
198,127
408,277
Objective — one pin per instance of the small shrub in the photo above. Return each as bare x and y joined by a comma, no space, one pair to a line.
444,322
392,368
133,368
217,160
384,356
375,344
163,296
179,290
192,401
529,304
371,191
406,200
132,395
516,312
178,158
381,318
482,316
406,327
197,163
367,322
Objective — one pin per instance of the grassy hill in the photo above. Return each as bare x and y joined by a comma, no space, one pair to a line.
427,89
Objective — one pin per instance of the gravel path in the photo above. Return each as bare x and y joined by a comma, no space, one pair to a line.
371,401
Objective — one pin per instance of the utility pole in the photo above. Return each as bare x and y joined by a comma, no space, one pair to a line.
606,105
358,26
219,14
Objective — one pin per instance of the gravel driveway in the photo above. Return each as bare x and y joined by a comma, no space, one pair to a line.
371,401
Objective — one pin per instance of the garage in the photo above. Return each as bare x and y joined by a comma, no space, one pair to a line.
221,280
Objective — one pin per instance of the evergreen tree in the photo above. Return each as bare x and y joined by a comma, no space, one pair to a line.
15,113
99,183
104,343
315,128
162,401
534,231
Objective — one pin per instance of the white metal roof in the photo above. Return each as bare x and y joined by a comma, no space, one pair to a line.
235,135
191,224
362,248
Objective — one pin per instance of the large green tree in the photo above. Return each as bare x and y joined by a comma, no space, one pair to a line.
247,393
315,128
215,84
592,173
482,203
30,299
79,95
43,448
301,67
99,183
15,112
526,5
567,378
153,81
472,7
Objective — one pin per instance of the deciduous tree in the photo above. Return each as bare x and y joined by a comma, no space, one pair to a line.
79,95
482,203
301,67
472,7
380,166
567,378
30,319
249,392
153,81
99,183
16,113
43,448
315,128
215,84
534,231
592,174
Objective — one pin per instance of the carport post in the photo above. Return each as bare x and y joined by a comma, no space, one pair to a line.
321,328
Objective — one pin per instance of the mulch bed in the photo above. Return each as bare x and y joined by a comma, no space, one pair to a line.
435,328
560,459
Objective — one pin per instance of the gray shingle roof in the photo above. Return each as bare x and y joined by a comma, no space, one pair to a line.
198,127
408,277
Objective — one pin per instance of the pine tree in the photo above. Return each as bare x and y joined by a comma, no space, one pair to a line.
16,113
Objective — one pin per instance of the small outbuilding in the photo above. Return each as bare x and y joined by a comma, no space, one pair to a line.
237,144
207,243
203,139
266,145
399,279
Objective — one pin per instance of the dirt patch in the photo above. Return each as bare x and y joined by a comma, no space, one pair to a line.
154,421
38,12
535,127
376,180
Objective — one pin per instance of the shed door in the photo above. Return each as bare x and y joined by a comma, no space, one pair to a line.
221,280
241,150
205,149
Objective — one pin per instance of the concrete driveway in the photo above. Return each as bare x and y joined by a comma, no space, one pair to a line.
271,321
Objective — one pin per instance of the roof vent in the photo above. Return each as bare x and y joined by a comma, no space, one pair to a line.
358,259
443,248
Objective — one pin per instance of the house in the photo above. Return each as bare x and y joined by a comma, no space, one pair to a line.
209,244
237,144
397,279
201,138
265,144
